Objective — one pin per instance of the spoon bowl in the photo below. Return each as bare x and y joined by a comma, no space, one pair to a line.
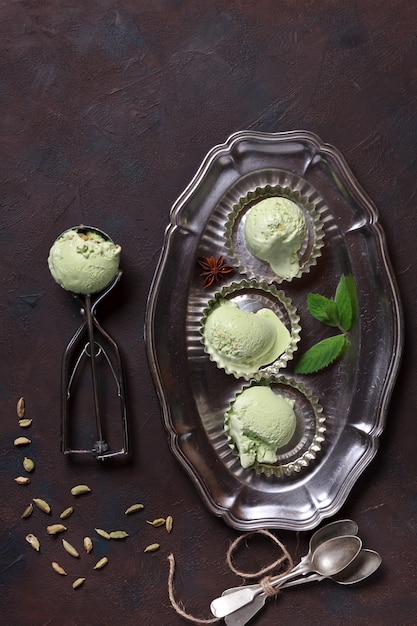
338,528
362,566
335,554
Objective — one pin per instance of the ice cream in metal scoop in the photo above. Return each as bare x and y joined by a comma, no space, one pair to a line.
85,261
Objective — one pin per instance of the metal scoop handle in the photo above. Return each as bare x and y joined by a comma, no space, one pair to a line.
91,349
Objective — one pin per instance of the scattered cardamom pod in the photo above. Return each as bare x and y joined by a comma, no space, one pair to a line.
78,490
55,529
42,505
152,547
88,544
134,508
69,511
34,542
22,441
118,534
168,523
25,423
28,464
22,480
101,563
78,582
70,549
102,533
159,521
28,511
58,569
20,407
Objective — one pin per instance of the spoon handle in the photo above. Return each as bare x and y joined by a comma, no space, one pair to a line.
226,604
243,615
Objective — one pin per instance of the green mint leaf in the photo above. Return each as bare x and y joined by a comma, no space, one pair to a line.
323,309
351,287
344,304
321,355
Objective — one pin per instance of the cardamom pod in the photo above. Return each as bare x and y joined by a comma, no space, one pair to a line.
152,547
58,569
102,533
28,511
159,521
42,505
118,534
78,582
69,511
25,423
70,549
55,529
134,508
88,544
78,490
28,464
20,407
101,563
22,480
34,541
168,523
22,441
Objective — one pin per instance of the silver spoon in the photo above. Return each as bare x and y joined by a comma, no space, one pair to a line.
362,566
339,528
328,559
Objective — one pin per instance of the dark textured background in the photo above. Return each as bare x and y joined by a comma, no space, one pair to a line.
107,110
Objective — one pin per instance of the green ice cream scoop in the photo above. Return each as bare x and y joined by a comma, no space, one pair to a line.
274,230
84,261
260,422
243,339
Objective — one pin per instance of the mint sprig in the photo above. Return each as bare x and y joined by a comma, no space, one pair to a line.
344,305
323,309
321,355
338,312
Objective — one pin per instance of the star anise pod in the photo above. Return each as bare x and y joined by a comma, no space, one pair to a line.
213,268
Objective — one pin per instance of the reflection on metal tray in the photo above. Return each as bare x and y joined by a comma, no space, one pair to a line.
354,392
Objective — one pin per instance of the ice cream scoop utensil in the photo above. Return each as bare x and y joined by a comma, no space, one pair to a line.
328,559
338,528
362,566
91,343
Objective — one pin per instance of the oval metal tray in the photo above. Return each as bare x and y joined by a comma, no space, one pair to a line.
354,392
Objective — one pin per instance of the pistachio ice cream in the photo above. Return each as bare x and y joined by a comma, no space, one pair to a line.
259,423
243,340
83,261
274,231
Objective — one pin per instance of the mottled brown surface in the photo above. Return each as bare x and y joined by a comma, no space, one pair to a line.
107,110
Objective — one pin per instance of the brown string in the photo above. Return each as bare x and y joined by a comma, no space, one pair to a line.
264,582
285,556
175,604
